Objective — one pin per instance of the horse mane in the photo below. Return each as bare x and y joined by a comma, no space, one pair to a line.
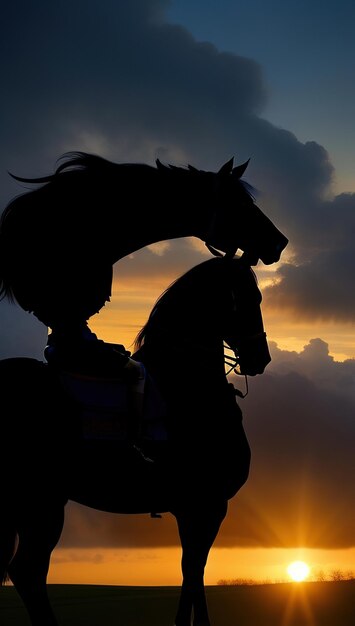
70,198
74,161
78,161
71,161
185,294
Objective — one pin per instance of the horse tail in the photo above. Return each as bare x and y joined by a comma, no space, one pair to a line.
8,536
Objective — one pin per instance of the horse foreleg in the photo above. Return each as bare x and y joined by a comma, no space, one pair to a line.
39,530
198,528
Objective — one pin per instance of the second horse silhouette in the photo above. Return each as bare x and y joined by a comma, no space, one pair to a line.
203,463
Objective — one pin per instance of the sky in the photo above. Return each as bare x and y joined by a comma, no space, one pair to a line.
199,83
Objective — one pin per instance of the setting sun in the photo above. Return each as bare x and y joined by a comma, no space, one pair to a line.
298,571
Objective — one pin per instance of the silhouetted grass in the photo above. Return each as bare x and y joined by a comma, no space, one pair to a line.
286,604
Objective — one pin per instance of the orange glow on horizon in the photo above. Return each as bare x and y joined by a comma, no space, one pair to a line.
161,566
133,298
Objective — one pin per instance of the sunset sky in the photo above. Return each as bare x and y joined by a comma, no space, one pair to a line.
199,82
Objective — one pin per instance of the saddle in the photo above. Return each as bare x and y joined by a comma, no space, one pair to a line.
122,408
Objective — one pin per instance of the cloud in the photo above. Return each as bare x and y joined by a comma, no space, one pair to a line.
117,79
78,557
299,418
317,284
315,363
85,527
117,70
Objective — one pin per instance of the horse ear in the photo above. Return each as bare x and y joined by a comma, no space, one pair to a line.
239,170
159,165
227,167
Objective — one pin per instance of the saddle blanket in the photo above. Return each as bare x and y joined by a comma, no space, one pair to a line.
117,408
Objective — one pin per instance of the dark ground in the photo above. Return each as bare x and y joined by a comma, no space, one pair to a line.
287,604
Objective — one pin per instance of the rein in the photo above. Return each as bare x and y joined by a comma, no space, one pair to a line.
233,362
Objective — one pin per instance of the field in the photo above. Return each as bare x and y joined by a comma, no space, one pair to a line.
286,604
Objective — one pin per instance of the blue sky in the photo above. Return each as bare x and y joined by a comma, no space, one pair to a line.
307,54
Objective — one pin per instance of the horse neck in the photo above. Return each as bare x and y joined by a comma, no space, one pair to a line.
207,357
185,352
163,206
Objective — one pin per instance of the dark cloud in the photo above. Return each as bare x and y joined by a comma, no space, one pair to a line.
319,285
315,362
116,78
318,290
116,69
299,418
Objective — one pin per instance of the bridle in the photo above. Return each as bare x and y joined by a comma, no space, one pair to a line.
232,362
229,360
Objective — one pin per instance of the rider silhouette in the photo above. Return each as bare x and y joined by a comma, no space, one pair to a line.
65,310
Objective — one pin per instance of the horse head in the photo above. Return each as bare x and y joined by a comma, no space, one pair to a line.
243,327
238,223
216,302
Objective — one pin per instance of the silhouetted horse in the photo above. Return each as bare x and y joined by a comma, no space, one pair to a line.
59,241
191,472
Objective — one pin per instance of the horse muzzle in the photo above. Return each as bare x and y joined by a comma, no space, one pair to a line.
254,357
